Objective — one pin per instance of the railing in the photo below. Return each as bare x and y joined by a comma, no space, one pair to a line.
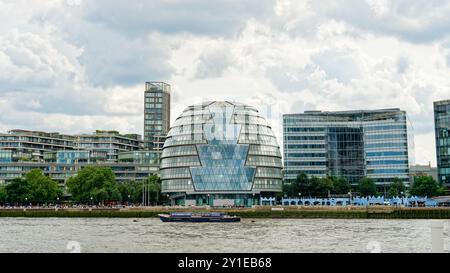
412,201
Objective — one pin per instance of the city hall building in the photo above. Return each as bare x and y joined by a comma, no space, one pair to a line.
220,154
354,144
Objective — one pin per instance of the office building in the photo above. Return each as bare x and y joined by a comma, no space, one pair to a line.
76,156
423,170
354,144
143,157
24,145
156,114
111,142
442,135
62,156
220,154
61,172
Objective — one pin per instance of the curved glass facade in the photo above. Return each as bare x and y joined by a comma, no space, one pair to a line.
220,154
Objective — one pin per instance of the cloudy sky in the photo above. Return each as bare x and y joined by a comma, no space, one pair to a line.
75,65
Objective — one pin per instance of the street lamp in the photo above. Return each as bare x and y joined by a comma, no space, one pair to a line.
26,201
350,197
299,195
91,200
57,201
129,199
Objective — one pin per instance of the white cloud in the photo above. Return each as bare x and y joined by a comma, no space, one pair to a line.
214,60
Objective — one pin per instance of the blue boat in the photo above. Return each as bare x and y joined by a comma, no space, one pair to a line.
198,217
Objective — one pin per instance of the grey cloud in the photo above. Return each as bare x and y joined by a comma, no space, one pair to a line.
133,18
301,106
402,65
26,60
17,119
50,101
110,59
338,65
290,80
415,21
38,76
107,54
213,62
423,120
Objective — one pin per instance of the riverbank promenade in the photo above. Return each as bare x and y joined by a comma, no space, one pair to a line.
350,212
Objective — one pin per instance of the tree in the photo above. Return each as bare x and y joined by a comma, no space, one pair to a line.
17,190
340,185
132,189
41,188
396,188
320,187
287,189
302,184
3,194
425,186
154,187
367,187
96,182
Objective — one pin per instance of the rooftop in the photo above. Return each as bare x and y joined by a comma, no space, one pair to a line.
442,102
151,86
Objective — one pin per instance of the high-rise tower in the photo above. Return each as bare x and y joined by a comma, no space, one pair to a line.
156,114
442,131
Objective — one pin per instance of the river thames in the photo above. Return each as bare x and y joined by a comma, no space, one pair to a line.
250,235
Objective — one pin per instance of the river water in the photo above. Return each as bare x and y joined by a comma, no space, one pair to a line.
250,235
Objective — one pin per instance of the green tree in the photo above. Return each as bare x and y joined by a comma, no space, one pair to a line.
132,189
96,182
302,184
154,187
367,187
396,188
3,194
340,185
320,187
41,188
287,189
425,186
17,190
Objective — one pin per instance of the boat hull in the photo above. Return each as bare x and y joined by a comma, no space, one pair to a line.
165,218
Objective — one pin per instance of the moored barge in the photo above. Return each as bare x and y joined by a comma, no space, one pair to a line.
198,217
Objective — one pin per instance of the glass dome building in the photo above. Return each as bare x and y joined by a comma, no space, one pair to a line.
220,154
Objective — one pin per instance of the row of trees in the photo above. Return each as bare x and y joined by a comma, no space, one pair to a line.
99,184
90,185
316,186
323,187
426,186
35,188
